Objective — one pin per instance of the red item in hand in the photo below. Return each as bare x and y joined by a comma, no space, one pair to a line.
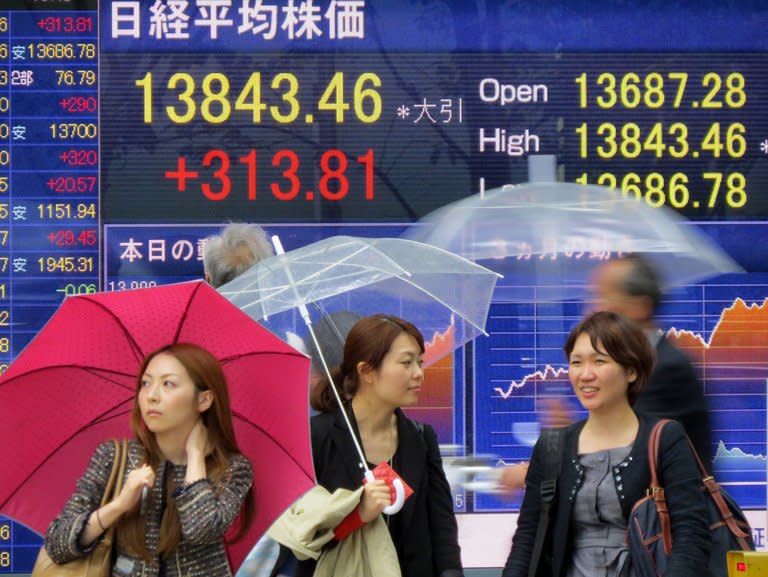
350,523
387,474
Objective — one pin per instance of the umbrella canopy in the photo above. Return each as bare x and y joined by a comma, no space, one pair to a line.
557,232
417,282
73,387
435,290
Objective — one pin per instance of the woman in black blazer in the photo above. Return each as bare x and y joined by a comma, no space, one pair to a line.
381,372
605,467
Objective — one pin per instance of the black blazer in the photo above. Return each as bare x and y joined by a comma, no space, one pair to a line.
674,392
678,474
429,545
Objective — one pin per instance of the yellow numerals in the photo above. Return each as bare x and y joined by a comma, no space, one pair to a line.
66,264
65,211
61,51
75,77
629,140
654,90
731,140
215,107
657,189
289,83
73,130
735,185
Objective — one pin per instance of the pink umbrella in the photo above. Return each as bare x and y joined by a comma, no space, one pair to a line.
72,388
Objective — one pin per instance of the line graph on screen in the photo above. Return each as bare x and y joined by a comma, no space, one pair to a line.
722,326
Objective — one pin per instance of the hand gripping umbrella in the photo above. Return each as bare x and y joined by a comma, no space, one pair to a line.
426,285
73,387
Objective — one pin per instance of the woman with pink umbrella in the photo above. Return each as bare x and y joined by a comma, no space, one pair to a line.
186,456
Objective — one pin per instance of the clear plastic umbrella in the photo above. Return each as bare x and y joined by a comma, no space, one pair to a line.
556,232
446,296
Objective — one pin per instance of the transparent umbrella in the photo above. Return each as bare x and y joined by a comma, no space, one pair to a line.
556,232
430,287
446,296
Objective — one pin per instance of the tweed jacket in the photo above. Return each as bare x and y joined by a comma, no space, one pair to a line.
678,474
205,513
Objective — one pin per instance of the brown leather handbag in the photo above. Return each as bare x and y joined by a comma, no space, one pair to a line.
97,563
650,526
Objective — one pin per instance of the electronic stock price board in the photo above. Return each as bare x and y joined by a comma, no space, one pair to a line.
131,130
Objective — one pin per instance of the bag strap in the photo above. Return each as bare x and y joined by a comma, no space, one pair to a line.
121,469
553,441
656,490
713,488
113,475
115,482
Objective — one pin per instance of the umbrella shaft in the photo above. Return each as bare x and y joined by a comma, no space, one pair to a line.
360,452
305,315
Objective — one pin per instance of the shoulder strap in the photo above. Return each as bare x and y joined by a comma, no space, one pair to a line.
553,442
121,468
713,490
114,476
115,483
654,440
657,491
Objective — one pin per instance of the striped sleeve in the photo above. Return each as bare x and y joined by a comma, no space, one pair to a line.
62,539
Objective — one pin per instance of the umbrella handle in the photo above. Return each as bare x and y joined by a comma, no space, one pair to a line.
399,494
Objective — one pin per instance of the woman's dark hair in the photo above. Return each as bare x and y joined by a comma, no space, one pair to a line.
368,341
622,340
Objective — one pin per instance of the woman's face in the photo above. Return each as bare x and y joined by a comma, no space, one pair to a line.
598,380
168,399
400,376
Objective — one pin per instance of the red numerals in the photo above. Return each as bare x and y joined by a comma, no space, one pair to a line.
217,173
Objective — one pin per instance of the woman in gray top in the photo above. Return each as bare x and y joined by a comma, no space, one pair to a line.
185,453
605,468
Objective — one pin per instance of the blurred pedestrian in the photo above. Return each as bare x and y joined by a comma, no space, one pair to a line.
631,286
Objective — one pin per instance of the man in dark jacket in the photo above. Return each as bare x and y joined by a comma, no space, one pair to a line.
631,286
